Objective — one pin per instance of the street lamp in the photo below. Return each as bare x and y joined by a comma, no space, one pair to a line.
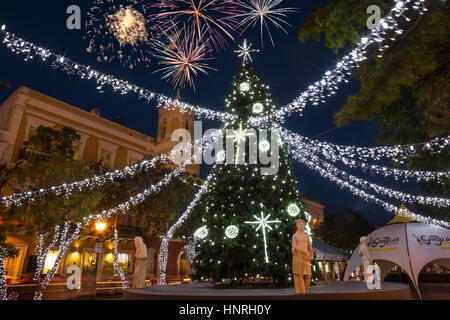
100,226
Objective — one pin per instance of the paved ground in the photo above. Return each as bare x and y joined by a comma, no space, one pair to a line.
430,291
348,290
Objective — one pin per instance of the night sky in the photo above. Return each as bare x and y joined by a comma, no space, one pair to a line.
289,68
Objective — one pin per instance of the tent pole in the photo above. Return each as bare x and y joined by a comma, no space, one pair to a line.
416,285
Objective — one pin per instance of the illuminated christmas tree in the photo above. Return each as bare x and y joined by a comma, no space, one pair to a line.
249,213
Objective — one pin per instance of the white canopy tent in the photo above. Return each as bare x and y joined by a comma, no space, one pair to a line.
325,252
409,245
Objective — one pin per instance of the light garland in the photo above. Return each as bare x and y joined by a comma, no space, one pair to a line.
405,197
116,261
31,51
315,93
90,183
366,196
78,186
64,245
3,289
208,140
331,81
42,252
164,250
348,155
140,197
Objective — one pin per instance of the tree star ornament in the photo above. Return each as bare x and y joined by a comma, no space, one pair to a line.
245,52
263,223
240,136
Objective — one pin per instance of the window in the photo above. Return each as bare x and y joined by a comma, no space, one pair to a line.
105,158
187,124
12,265
50,261
122,258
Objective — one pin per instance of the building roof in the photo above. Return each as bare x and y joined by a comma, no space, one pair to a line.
325,252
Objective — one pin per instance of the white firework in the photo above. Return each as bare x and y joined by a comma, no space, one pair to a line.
265,12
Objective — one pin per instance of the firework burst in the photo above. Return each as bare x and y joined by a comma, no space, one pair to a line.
265,12
182,56
209,21
118,30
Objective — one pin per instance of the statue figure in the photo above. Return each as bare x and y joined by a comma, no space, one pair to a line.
337,271
140,267
365,254
303,254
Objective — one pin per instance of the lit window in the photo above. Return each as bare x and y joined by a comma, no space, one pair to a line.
122,258
50,261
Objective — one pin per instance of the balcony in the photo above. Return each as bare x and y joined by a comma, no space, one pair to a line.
130,232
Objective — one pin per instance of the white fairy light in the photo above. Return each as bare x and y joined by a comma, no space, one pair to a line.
263,222
349,155
3,289
90,183
164,250
364,195
116,264
20,46
332,80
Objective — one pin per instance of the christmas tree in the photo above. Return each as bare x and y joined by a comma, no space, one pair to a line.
248,215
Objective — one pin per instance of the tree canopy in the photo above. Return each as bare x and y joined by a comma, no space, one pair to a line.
344,229
406,90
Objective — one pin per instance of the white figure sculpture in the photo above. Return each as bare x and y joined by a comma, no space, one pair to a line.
337,271
365,254
301,262
140,267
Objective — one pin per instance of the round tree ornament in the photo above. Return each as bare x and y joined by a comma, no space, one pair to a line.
293,210
258,108
201,233
245,86
232,232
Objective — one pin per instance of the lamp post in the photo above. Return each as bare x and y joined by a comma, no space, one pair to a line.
100,226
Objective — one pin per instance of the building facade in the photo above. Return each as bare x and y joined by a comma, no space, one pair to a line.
102,141
115,146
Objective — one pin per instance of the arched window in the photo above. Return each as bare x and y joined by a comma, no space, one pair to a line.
182,264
